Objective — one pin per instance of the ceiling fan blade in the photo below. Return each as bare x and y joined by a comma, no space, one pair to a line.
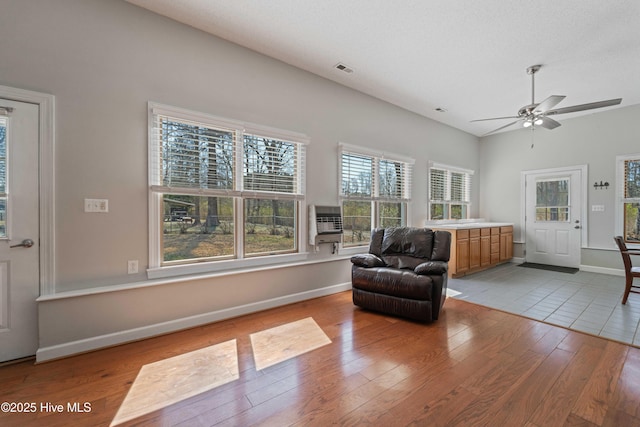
549,103
582,107
548,123
502,127
494,118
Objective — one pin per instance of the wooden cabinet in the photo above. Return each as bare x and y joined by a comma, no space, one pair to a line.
485,247
476,249
462,252
495,245
506,243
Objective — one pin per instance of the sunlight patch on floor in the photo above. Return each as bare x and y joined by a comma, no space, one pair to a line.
284,342
169,381
452,292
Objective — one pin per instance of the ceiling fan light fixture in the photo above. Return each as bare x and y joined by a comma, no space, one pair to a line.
537,114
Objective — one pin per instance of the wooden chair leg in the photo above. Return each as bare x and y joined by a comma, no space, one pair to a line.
627,289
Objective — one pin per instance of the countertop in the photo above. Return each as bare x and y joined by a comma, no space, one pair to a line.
468,225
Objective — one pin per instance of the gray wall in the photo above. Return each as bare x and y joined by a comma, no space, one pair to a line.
103,61
595,140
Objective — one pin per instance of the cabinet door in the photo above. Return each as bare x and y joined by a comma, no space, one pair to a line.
474,248
506,246
509,242
463,255
462,251
485,251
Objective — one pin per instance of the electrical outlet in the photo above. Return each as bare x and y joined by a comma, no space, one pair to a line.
96,205
132,266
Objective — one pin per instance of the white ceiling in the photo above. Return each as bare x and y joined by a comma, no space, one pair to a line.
466,56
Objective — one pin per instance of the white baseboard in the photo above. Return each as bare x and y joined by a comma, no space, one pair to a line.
602,270
108,340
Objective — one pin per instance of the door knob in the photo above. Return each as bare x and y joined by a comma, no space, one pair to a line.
577,226
26,243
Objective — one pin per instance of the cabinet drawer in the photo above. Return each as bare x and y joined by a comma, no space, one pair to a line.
495,230
495,248
485,231
463,234
474,232
508,229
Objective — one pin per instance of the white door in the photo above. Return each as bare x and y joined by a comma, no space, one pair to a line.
19,235
553,218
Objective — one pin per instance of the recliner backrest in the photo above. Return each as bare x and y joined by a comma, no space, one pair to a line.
407,247
415,242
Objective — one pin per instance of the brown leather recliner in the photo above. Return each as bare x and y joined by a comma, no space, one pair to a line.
404,273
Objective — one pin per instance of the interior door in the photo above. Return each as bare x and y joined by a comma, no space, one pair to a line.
19,229
553,218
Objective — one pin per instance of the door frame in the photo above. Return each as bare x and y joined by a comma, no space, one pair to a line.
584,202
46,179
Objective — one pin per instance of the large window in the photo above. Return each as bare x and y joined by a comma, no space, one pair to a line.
449,192
375,188
628,198
223,190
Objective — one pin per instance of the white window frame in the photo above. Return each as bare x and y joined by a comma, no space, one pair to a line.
447,199
156,269
620,199
376,197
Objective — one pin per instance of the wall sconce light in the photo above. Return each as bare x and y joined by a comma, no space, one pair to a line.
601,186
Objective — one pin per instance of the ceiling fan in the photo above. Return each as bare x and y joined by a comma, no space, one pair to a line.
538,114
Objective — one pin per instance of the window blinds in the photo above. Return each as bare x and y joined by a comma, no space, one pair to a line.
194,156
449,185
205,158
367,176
3,158
272,165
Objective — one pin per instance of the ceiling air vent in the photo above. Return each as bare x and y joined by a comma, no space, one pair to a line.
340,66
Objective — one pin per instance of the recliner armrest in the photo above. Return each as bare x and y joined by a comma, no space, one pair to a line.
431,267
367,260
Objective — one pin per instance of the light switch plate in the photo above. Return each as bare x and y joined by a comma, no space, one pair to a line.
96,205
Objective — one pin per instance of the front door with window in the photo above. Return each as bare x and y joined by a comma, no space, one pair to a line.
19,236
553,218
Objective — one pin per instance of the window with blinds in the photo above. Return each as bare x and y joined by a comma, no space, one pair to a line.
193,156
208,175
449,192
272,165
629,197
366,176
3,175
375,189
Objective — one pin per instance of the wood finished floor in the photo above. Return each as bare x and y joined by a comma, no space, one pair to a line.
475,366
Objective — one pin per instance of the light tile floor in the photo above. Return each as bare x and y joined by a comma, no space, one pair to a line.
586,302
